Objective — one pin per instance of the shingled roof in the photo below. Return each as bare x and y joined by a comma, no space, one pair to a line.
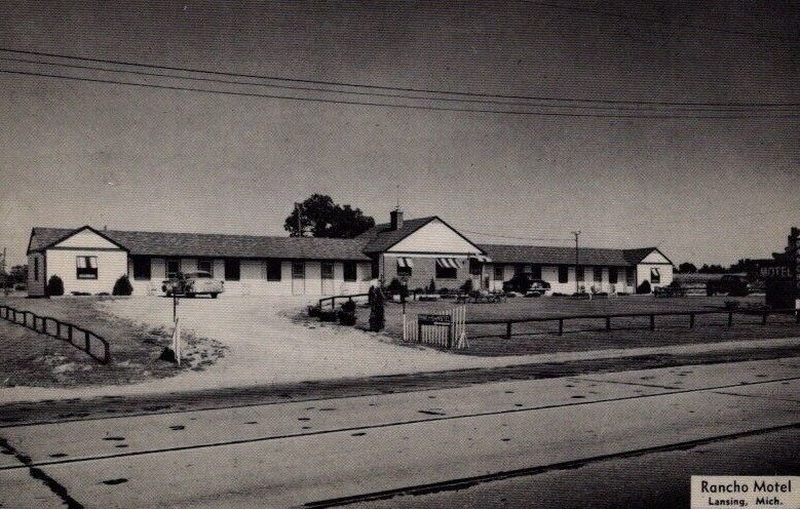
381,237
375,240
551,255
215,245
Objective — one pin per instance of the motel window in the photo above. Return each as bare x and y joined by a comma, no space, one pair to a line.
536,271
273,269
86,267
327,270
206,265
612,275
172,267
499,271
232,269
298,270
563,274
655,276
579,275
141,267
598,274
446,272
629,276
36,268
350,271
405,267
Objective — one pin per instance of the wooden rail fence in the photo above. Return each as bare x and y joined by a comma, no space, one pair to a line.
78,337
334,297
652,315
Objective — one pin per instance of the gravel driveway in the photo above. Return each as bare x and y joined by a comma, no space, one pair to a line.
266,346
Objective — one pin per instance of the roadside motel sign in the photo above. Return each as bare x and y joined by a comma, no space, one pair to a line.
436,321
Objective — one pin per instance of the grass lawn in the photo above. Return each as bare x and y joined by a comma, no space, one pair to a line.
32,359
579,335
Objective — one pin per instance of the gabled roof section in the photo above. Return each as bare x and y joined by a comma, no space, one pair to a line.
381,237
637,255
552,255
215,245
44,238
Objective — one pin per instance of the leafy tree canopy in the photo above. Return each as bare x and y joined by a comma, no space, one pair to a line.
319,216
687,268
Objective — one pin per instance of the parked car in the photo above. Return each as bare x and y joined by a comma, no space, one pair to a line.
729,284
191,284
527,285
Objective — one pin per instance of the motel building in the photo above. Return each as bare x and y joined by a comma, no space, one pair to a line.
415,251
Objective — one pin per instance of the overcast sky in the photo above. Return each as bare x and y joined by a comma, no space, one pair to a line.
703,190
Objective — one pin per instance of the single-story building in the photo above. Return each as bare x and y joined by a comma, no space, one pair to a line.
416,251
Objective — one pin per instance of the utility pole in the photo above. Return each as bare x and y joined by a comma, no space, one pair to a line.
577,259
3,273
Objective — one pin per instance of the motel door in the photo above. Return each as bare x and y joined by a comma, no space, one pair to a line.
327,278
298,278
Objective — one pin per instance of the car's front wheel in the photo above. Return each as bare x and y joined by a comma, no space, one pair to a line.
214,295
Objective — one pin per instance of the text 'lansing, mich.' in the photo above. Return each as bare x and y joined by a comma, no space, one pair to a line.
745,491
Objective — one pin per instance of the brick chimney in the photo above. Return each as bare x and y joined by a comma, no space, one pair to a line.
396,219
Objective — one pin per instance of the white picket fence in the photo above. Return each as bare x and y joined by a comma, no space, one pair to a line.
446,332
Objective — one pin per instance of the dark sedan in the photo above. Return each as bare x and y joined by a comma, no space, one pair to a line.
527,285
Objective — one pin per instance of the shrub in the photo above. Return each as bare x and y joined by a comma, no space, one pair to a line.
349,307
347,317
644,287
55,286
122,286
431,288
467,286
443,291
395,287
314,311
328,315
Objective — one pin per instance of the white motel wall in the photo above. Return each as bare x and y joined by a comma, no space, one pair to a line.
91,261
253,280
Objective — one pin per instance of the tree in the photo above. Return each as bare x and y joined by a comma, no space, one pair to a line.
19,274
711,269
319,216
687,268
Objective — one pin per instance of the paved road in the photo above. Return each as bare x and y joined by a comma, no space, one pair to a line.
365,448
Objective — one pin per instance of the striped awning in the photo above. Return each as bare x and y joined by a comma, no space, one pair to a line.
404,263
482,258
448,263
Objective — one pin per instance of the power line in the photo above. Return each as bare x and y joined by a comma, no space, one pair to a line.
739,109
656,21
513,237
399,106
398,89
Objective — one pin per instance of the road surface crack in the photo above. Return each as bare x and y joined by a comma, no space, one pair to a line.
57,488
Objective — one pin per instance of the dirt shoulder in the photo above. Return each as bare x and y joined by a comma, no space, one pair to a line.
30,359
49,411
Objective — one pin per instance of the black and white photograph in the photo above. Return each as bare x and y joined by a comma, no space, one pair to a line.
400,254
